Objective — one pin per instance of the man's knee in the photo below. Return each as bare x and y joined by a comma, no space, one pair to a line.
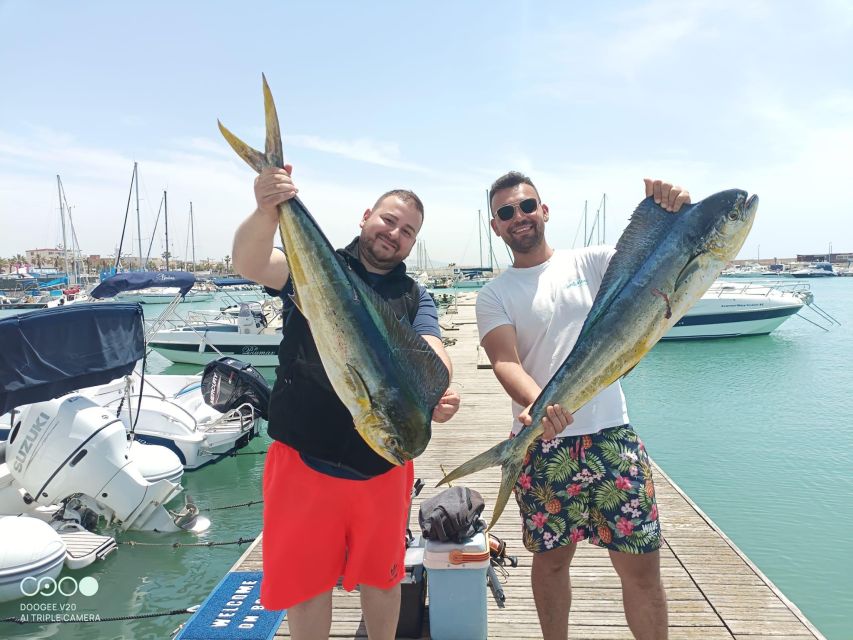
640,571
555,560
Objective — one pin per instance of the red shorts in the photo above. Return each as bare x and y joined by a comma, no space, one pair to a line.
318,528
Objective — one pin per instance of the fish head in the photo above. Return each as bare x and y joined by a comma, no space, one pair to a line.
397,436
726,219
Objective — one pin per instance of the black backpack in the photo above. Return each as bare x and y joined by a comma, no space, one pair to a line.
452,515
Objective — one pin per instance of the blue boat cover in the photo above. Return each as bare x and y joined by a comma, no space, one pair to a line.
134,280
227,282
51,352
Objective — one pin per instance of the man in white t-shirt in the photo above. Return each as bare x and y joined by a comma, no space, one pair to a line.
589,476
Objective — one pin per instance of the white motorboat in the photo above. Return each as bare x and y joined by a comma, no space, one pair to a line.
253,336
815,270
68,460
174,412
731,309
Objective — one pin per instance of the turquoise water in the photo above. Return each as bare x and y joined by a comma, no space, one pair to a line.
755,430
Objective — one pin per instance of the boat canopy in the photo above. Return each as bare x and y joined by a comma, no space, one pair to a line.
134,280
232,282
51,352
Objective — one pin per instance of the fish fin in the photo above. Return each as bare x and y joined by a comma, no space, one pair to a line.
420,368
358,383
648,224
510,455
294,298
274,151
274,156
689,270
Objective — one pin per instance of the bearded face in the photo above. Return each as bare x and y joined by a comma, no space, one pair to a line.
524,231
388,233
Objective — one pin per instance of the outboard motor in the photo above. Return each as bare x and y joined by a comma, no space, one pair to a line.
71,445
228,383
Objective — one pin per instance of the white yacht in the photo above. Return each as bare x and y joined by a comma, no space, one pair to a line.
252,334
815,270
730,309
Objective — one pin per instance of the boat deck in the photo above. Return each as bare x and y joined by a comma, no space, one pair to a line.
714,591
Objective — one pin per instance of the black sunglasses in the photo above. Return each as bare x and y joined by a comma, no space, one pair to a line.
507,211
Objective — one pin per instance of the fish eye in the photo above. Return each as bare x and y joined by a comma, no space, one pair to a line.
733,215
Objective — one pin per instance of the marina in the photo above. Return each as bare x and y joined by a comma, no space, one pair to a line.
485,409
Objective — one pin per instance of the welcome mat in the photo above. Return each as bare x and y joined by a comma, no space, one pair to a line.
233,610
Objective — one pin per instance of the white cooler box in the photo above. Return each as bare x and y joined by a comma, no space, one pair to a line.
457,588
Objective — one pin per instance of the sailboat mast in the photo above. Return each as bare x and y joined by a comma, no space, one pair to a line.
480,236
62,217
488,217
138,223
192,234
166,217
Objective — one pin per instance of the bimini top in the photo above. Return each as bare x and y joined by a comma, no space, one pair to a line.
51,352
232,282
133,280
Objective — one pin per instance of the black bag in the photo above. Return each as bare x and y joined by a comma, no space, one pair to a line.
452,515
227,383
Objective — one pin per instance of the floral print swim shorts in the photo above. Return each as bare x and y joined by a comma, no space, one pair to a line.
597,487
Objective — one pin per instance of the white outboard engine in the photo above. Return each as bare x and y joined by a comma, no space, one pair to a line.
71,446
246,321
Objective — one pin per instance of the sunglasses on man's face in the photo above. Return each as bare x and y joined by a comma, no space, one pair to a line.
507,211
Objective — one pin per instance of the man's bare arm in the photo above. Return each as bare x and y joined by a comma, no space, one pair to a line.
253,254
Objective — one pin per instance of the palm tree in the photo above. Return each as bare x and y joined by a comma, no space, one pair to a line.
4,262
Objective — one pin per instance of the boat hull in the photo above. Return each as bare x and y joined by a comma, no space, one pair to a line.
259,350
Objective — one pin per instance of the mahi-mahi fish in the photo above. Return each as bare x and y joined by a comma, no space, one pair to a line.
386,375
663,264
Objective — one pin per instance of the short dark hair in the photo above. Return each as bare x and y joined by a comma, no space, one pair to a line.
508,181
406,196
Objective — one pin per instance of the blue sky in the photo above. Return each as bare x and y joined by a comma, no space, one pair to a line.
440,97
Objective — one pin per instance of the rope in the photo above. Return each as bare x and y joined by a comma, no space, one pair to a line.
175,545
97,618
233,506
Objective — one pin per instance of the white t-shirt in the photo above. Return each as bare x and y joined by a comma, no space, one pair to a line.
547,304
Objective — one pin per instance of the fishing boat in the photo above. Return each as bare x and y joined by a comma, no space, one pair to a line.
731,309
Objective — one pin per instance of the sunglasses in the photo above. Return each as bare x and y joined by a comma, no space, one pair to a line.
507,211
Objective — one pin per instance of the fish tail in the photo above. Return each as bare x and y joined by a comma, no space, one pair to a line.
510,455
273,148
274,155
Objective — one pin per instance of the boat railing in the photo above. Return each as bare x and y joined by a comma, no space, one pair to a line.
245,413
761,288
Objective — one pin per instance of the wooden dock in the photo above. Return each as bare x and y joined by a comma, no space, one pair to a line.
714,591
